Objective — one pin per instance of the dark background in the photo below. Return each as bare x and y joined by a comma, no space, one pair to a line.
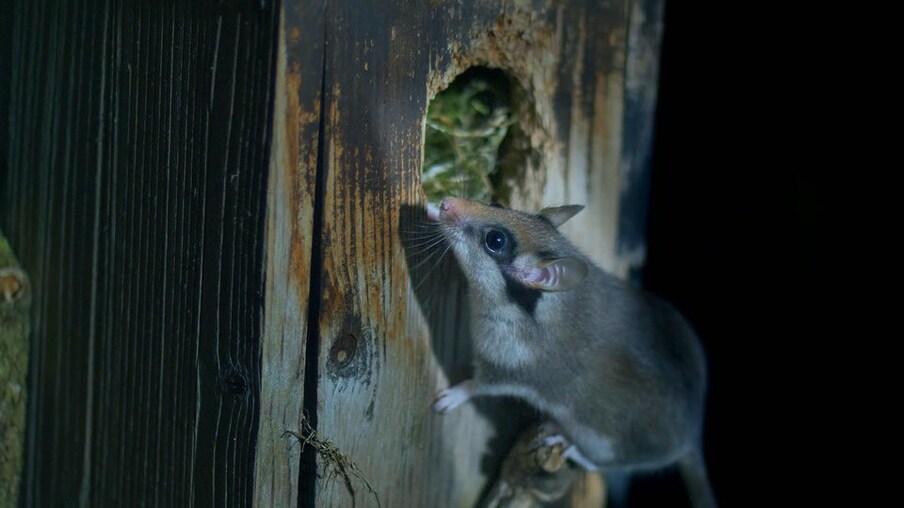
738,241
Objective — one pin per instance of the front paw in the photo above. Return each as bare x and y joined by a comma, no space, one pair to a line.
450,398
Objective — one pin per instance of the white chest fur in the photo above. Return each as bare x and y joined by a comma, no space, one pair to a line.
499,334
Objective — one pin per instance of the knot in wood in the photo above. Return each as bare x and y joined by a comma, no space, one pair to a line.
236,383
343,349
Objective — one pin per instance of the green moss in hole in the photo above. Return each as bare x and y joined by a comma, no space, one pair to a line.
466,124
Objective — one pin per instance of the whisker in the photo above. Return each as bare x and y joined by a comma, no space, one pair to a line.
432,270
416,257
426,259
422,237
422,223
423,246
423,227
421,233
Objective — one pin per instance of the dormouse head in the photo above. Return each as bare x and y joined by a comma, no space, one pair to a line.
503,251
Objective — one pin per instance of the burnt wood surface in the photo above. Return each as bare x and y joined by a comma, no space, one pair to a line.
135,196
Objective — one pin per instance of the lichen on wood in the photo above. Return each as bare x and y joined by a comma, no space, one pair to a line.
15,299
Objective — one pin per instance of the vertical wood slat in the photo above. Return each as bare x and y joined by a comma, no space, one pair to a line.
372,390
290,212
135,196
385,348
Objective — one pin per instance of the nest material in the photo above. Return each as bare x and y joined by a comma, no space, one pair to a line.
466,125
336,464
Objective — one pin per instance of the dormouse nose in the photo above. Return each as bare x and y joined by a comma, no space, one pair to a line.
452,209
452,205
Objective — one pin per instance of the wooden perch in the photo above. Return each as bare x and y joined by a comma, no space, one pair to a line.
535,475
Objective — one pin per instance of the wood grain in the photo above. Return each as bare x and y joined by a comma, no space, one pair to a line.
217,201
384,347
135,196
290,212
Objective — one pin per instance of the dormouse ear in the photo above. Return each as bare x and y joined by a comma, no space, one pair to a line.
557,215
561,274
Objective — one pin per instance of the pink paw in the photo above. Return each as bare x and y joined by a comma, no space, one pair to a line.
450,398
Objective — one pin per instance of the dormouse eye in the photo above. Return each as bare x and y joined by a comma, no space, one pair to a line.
495,240
496,205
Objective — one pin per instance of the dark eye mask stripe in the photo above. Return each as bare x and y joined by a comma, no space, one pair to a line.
523,296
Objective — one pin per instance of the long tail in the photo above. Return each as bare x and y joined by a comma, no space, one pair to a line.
693,470
617,485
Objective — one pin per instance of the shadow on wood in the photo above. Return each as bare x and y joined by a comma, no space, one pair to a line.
441,292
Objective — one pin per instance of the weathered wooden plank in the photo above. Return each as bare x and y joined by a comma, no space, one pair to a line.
373,389
135,197
290,212
384,348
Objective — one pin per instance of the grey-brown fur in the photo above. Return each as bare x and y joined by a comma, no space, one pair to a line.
618,369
